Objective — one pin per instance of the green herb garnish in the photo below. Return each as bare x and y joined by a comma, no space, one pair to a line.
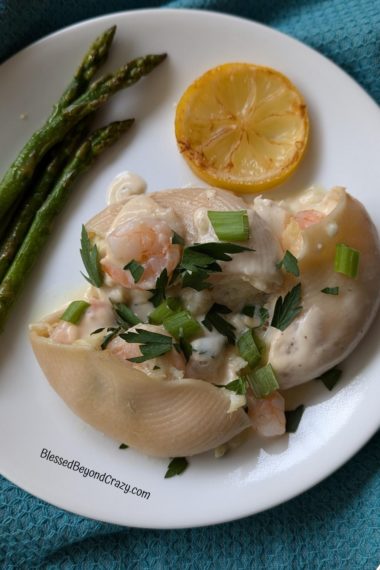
182,325
346,260
123,446
177,239
263,381
248,310
159,292
263,316
248,348
90,257
200,260
74,312
293,418
330,290
96,331
289,263
239,386
151,344
287,309
112,333
135,269
164,310
230,226
214,320
126,317
177,466
330,378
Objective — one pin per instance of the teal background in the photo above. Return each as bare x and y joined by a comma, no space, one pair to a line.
335,525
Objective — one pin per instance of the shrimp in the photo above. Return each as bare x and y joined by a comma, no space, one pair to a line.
98,314
148,241
267,414
166,365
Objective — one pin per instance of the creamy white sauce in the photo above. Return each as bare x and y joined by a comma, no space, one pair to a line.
124,185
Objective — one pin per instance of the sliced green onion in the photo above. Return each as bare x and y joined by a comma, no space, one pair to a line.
248,348
293,418
126,315
166,309
75,312
263,381
182,325
136,270
228,226
346,260
330,290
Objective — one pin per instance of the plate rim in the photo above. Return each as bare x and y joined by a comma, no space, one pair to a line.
341,458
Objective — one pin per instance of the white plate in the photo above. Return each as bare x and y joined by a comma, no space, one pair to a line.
345,138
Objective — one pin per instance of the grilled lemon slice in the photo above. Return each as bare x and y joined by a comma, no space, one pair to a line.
242,127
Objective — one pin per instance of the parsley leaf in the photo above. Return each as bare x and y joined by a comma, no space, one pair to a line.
159,292
248,310
293,418
287,309
213,319
330,290
136,270
239,386
123,446
112,333
290,264
90,257
199,260
151,344
125,316
330,378
264,316
177,466
177,239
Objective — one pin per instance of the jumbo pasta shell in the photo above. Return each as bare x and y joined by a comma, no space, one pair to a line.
163,418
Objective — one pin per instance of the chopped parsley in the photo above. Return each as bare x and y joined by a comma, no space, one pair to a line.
293,418
248,310
287,309
91,260
176,467
151,344
135,269
214,320
330,378
125,316
177,239
112,333
239,386
330,290
289,263
159,292
123,446
200,260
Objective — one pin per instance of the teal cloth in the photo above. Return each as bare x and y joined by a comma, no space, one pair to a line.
335,525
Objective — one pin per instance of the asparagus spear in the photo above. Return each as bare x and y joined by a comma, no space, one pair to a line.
59,123
41,227
93,59
51,171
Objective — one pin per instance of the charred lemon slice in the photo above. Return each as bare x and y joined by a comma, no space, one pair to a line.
242,127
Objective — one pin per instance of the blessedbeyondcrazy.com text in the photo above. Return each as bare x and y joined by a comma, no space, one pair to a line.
104,477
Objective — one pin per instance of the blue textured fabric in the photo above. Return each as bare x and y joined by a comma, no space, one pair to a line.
336,524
